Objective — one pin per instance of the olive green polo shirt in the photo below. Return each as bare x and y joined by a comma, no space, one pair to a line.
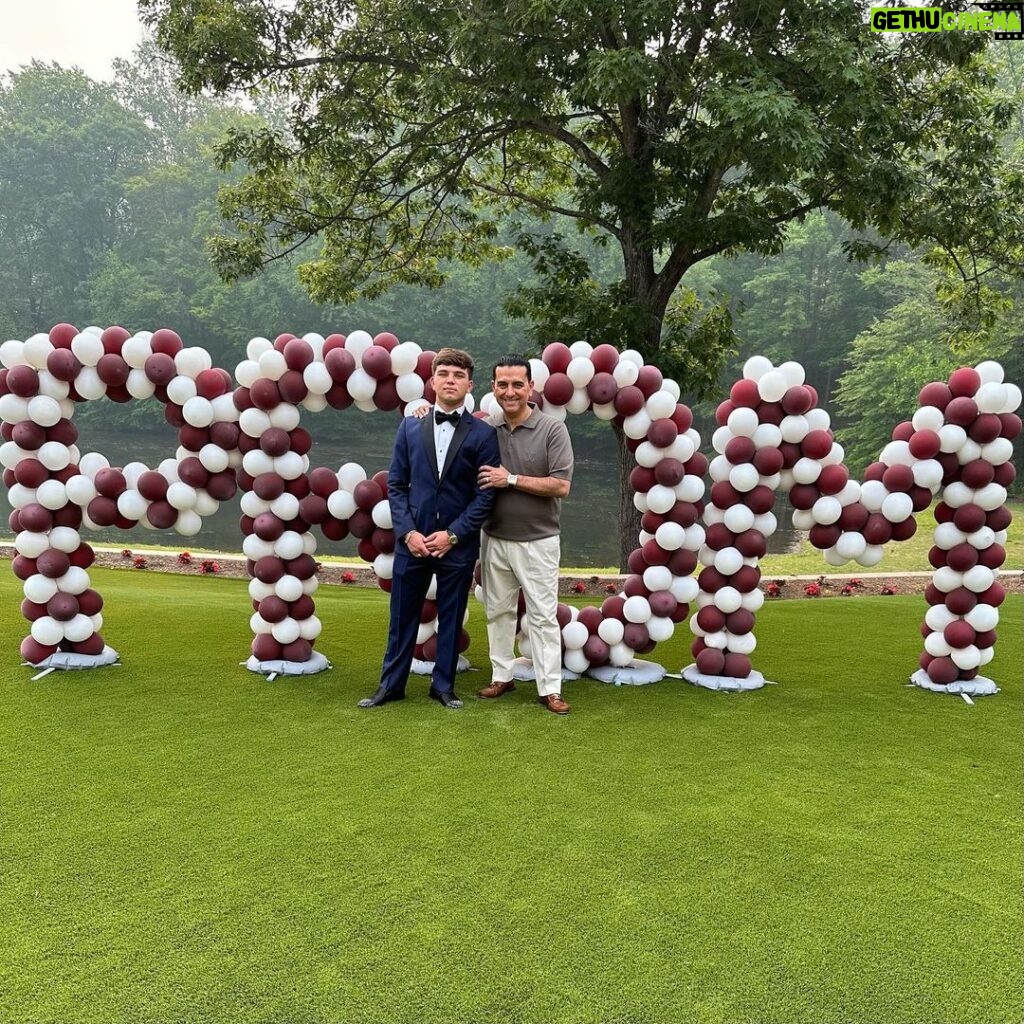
539,446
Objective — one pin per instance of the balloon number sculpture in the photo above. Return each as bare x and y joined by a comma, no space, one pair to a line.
246,434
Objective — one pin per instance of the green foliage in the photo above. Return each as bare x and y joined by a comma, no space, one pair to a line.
668,133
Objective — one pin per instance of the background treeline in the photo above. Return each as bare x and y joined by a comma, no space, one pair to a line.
108,193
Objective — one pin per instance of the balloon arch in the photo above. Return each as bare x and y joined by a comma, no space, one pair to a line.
246,435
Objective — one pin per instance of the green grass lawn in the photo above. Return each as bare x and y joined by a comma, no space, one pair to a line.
181,841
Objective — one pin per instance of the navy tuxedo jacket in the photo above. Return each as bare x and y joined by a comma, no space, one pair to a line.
427,497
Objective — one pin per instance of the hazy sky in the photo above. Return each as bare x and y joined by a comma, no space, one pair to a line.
87,34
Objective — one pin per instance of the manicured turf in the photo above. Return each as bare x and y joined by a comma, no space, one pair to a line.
182,841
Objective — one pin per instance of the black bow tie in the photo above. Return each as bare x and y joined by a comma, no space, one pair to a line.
447,417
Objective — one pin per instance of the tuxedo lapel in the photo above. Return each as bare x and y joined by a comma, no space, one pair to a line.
427,436
461,432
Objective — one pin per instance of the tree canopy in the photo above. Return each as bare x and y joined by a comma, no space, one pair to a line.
671,132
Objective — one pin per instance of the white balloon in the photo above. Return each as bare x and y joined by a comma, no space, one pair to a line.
190,362
44,410
285,506
259,590
637,609
947,536
947,580
897,507
88,348
188,523
661,499
288,545
657,577
620,655
744,477
341,504
756,367
79,628
990,372
286,631
180,389
938,617
982,538
574,635
54,455
384,566
635,426
827,510
47,630
580,371
743,422
978,579
951,438
998,451
580,401
255,548
728,561
74,581
611,631
806,471
772,386
966,658
253,422
288,588
817,419
928,417
728,600
198,412
851,546
317,378
291,465
767,435
132,505
272,364
935,644
284,416
794,428
136,350
982,617
990,497
660,628
661,405
381,515
351,474
738,518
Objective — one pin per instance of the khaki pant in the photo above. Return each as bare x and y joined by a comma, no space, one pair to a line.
532,565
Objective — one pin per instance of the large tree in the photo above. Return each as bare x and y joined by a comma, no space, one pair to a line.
669,131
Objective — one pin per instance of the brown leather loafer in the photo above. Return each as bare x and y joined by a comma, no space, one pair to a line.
496,689
553,702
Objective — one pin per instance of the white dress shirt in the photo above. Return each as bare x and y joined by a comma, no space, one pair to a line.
443,434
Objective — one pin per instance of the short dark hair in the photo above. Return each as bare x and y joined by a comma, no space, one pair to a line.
453,357
512,360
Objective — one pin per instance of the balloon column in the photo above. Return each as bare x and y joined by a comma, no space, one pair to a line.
771,435
55,489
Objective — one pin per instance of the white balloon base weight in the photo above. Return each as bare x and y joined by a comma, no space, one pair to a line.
636,673
522,670
68,660
426,668
979,686
730,684
317,663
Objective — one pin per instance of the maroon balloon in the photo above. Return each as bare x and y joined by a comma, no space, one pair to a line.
160,368
166,341
711,662
23,381
602,388
669,472
596,651
53,563
649,381
740,450
744,394
30,473
556,357
112,370
32,611
34,652
943,671
162,515
367,494
62,607
265,648
558,389
816,444
36,518
628,401
265,394
376,362
103,511
28,435
737,666
964,382
90,602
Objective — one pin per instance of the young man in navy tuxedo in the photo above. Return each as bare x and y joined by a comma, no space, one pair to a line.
437,508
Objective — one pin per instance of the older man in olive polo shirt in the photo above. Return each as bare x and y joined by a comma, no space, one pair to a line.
521,540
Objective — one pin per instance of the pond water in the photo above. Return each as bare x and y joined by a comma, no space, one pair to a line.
588,514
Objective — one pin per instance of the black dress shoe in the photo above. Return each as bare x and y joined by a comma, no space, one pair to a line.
448,698
382,696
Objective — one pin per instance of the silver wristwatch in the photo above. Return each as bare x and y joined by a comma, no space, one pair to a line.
513,479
